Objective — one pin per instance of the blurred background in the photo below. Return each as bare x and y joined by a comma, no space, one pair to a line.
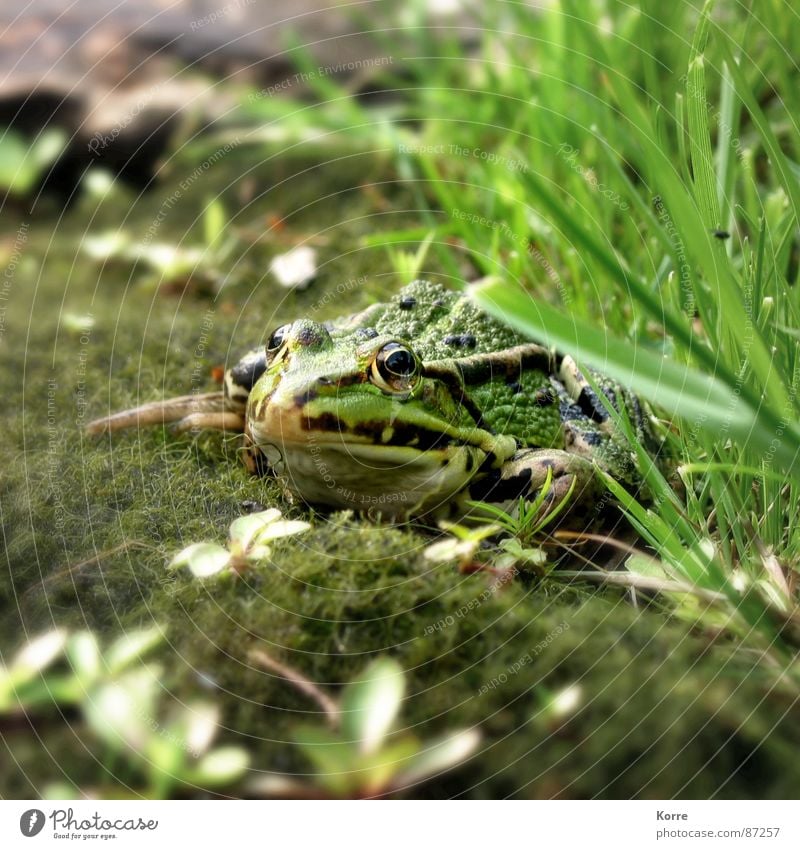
132,76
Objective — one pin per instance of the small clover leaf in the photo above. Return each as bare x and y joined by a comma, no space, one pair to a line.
203,559
131,646
439,756
219,767
370,704
364,754
247,544
245,529
285,528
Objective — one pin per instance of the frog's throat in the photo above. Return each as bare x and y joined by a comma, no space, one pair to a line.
394,480
397,468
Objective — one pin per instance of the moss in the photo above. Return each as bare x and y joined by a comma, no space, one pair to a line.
89,525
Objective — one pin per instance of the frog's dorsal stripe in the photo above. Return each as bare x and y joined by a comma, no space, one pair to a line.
460,372
478,369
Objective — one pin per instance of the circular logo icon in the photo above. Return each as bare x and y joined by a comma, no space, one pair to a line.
31,822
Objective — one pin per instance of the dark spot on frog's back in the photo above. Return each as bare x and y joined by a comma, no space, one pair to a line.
310,334
306,336
407,302
639,417
366,333
570,412
591,406
592,437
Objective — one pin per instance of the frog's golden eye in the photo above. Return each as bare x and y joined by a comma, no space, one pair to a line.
277,339
395,368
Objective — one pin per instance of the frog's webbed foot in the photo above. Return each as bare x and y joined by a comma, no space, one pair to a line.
527,471
189,412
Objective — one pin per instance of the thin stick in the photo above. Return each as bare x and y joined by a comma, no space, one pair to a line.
613,542
642,582
300,682
74,567
160,412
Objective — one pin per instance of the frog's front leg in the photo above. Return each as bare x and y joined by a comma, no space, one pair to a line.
221,410
525,473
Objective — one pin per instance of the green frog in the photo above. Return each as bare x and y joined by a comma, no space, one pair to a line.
413,408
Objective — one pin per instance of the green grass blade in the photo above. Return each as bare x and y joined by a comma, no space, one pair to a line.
678,389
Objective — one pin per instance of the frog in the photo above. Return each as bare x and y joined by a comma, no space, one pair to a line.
419,406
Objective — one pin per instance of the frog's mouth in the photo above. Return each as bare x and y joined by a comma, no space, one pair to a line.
392,470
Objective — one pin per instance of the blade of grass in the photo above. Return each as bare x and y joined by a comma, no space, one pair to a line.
678,389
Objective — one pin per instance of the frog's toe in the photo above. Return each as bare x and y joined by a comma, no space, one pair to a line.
228,421
524,475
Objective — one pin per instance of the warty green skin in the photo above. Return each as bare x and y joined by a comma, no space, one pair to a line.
485,415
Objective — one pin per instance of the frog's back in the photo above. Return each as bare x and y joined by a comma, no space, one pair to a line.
556,408
438,323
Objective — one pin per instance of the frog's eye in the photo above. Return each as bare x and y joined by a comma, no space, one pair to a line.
277,339
395,368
